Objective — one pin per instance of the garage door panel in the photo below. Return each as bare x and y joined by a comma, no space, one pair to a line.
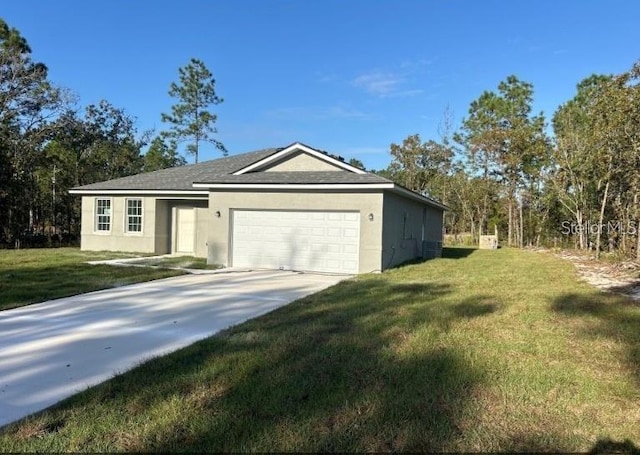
301,240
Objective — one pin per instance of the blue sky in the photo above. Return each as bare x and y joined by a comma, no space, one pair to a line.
346,76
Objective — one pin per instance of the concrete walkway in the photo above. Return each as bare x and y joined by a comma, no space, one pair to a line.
54,349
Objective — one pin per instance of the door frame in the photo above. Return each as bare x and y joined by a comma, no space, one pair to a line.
176,227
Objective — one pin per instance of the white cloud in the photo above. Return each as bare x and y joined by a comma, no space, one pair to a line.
377,83
385,84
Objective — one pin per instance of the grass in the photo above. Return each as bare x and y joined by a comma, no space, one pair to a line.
182,262
478,351
35,275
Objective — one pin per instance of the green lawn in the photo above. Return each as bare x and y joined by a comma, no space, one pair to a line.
35,275
479,351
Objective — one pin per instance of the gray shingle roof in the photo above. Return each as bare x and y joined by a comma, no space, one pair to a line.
182,178
292,177
221,171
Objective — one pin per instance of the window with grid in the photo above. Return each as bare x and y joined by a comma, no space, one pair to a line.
103,214
134,215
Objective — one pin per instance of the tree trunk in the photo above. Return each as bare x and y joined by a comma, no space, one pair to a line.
637,244
601,219
637,227
521,227
509,224
581,234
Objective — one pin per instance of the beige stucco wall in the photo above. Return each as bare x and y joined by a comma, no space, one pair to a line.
202,231
403,229
157,228
302,162
117,239
384,242
220,229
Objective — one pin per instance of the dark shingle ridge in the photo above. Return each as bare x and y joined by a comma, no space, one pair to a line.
298,177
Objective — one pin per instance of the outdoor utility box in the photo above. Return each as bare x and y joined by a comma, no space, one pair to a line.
488,242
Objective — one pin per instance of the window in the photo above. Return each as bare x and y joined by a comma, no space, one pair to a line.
134,215
103,214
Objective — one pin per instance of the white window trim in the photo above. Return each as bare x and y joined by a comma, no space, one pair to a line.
95,215
126,216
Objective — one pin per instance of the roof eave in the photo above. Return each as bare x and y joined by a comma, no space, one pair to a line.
295,186
399,189
98,191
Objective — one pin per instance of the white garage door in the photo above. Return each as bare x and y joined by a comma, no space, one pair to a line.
297,240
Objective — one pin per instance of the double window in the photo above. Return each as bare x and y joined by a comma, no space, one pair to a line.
134,215
103,215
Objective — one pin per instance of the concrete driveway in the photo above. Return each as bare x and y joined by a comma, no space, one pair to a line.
54,349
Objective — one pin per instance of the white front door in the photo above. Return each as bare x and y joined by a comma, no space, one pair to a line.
297,240
185,229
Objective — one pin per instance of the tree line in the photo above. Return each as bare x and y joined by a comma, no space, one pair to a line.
49,145
573,181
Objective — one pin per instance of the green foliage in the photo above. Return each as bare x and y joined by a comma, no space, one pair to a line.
421,166
27,103
506,143
598,156
357,163
161,156
99,146
190,118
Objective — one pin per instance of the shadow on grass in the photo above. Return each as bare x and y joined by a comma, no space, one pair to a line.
447,253
611,316
457,252
630,289
610,446
28,285
337,371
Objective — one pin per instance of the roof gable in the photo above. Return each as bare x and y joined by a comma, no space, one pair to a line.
295,150
300,162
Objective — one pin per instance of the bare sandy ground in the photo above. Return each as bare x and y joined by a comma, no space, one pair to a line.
620,277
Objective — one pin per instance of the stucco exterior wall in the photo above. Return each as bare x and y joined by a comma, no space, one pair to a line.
202,231
302,162
220,228
402,231
157,227
434,232
117,239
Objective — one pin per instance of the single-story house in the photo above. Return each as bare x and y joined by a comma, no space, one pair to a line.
292,208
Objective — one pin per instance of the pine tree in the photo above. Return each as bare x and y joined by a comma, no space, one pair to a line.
190,118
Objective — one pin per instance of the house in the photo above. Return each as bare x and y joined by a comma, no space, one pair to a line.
283,208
